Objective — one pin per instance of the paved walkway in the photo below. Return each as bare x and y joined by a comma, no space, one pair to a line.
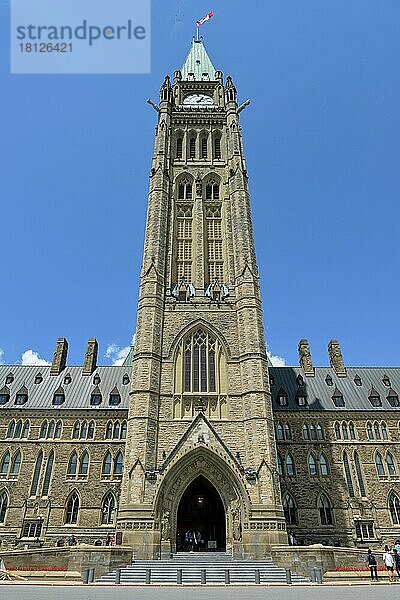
300,592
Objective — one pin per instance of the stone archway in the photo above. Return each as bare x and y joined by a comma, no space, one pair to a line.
180,474
201,518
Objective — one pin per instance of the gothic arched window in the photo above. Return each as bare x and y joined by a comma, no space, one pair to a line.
5,463
377,431
320,432
123,430
280,466
108,510
72,465
290,470
306,433
325,510
212,190
347,473
384,431
217,147
76,430
279,432
369,431
109,430
185,188
323,466
390,464
214,267
184,235
43,430
84,464
345,432
179,147
203,146
312,465
289,508
337,431
48,473
313,432
394,508
36,474
16,463
360,477
71,514
58,431
288,432
3,506
199,362
119,464
352,431
116,430
107,464
11,429
379,464
90,433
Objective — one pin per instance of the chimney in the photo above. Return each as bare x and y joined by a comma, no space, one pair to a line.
60,357
336,358
90,362
305,359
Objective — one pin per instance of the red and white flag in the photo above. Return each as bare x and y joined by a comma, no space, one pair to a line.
206,18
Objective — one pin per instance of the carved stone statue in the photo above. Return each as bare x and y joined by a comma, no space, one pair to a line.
166,526
236,522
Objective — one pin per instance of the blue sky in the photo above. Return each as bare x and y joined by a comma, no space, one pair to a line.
322,144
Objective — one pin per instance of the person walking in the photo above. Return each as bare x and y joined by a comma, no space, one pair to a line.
389,563
396,557
373,565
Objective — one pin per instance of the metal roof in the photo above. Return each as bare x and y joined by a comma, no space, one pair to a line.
77,393
319,393
198,63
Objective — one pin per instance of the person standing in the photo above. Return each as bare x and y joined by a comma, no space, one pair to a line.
389,563
396,557
373,565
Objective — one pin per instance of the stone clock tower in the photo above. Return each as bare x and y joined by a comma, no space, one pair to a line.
200,453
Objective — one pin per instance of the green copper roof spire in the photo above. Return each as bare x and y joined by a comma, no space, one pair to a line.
198,65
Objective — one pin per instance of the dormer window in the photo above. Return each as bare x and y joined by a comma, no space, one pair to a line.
337,398
115,397
125,379
22,396
282,398
96,379
96,397
393,398
38,378
374,398
300,380
328,380
386,381
271,380
205,77
4,395
9,378
67,379
301,398
357,380
59,397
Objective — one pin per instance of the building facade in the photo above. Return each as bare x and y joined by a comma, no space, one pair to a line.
197,432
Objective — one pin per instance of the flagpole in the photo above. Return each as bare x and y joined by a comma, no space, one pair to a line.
197,33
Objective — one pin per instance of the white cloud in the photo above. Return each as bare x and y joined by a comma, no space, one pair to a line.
1,356
277,361
30,357
116,354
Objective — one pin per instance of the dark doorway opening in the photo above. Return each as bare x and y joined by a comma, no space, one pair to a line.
201,523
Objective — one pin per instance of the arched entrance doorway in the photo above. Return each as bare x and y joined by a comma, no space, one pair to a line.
201,511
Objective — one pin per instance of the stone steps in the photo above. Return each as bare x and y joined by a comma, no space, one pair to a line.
192,563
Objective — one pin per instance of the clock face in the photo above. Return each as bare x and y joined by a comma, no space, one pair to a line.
198,100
